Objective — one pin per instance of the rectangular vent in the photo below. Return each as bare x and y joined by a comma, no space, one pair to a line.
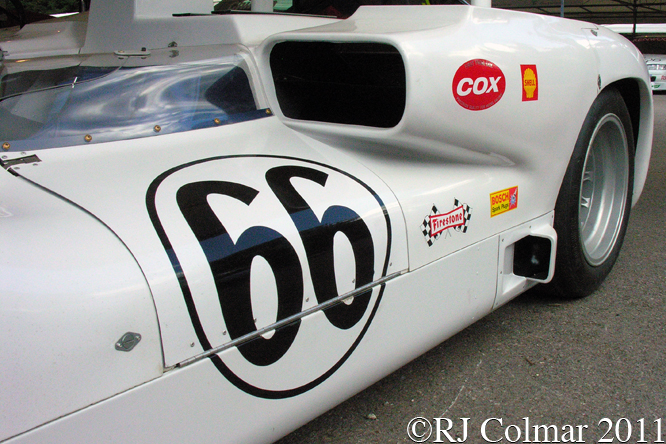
346,83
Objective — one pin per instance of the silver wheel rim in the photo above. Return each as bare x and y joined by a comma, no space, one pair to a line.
603,189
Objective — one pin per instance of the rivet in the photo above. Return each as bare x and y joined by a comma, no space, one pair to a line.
6,146
157,128
88,138
268,111
224,333
217,121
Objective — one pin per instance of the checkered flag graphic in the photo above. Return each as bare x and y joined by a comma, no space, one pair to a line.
425,227
467,211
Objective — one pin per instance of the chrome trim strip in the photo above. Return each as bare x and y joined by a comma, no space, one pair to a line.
283,322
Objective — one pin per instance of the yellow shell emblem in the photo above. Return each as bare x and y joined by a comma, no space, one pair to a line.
529,83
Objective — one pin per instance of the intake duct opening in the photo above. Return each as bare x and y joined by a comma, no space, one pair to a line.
531,257
347,83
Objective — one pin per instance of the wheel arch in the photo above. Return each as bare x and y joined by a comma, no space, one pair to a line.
638,98
587,255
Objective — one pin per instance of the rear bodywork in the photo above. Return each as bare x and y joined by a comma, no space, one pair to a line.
274,265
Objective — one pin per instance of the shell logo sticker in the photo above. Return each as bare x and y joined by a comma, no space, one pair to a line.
503,201
478,85
530,82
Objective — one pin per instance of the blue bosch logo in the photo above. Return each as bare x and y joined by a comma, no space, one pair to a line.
274,243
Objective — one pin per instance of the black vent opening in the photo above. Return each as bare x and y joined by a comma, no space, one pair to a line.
347,83
531,257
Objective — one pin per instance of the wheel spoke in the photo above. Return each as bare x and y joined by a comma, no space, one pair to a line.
603,190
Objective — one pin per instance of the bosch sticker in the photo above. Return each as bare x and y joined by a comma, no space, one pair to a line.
256,240
503,201
530,82
437,223
478,85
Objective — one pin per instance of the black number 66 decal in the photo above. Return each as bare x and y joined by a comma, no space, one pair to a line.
230,261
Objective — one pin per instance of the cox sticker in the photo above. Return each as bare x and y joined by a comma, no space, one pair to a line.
478,85
256,240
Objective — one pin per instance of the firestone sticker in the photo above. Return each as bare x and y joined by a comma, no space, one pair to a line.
503,201
530,82
478,85
437,223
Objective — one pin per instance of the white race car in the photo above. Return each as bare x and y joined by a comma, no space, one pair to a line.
214,228
656,65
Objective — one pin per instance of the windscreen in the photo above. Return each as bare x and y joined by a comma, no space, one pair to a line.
88,103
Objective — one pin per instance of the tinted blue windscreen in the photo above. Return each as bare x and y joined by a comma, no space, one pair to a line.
128,103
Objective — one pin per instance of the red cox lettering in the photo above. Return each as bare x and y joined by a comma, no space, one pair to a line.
478,85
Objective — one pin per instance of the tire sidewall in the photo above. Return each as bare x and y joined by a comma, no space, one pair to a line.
574,276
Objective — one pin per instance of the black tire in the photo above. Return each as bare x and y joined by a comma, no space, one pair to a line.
594,202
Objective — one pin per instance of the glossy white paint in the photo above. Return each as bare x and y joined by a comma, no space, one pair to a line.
618,59
440,154
69,289
196,404
493,149
131,30
129,25
63,171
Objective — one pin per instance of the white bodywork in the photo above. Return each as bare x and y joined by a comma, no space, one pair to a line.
655,59
94,243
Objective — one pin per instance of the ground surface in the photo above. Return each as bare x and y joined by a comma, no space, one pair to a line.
560,363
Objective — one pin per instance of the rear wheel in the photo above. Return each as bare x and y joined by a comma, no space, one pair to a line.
594,202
